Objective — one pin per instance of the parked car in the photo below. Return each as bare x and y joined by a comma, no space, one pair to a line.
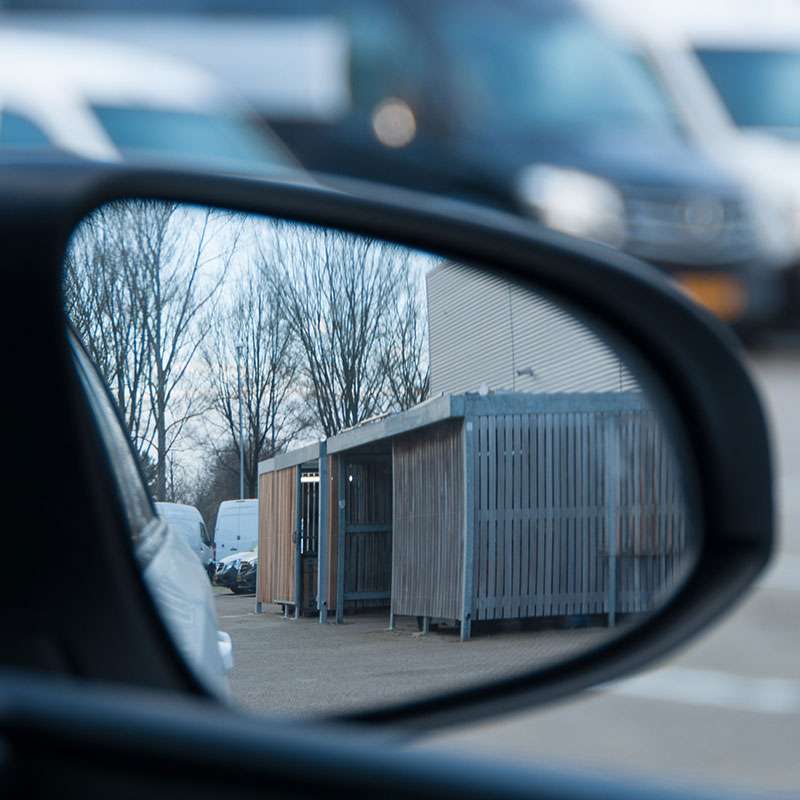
246,574
538,109
170,568
722,66
226,571
187,522
103,101
236,530
534,108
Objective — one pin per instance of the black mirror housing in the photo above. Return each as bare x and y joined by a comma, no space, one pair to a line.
725,441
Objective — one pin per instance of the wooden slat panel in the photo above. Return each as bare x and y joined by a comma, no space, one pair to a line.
276,521
541,516
263,576
428,519
283,520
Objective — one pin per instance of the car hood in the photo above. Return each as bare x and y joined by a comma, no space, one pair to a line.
238,556
763,161
637,158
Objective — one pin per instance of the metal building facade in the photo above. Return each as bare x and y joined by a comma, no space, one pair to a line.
484,330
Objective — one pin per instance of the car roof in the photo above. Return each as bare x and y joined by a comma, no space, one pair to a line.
744,24
246,503
174,509
53,66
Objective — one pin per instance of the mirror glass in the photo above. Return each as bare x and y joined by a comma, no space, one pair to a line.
417,475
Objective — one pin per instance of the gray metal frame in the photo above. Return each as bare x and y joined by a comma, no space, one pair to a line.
322,548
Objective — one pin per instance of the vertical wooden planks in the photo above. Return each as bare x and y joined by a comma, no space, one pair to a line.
428,518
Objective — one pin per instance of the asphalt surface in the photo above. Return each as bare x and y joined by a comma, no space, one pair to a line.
300,667
723,712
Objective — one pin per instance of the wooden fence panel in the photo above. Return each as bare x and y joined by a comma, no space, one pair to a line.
264,573
368,528
276,548
546,491
428,522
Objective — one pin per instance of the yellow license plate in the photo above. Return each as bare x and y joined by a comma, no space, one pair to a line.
723,295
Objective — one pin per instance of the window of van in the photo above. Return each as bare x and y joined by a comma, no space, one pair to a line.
761,88
205,538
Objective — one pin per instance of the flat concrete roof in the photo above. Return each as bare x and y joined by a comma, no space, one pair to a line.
445,407
311,452
430,412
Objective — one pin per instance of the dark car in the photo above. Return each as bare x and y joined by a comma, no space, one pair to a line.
245,578
227,572
537,109
530,107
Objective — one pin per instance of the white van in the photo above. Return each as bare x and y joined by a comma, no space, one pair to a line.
237,527
188,522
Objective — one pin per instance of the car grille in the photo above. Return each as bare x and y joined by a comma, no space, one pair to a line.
678,229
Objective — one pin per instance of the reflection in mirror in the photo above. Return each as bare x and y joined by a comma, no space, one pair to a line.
463,477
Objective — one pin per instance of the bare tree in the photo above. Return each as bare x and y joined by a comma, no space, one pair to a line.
108,321
406,361
140,277
253,322
181,258
336,290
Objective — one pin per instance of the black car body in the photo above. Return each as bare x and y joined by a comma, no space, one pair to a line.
245,579
530,107
481,101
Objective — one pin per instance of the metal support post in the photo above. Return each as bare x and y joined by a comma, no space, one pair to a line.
612,507
322,548
298,543
468,538
341,478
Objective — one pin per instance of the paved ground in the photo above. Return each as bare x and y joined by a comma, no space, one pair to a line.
300,666
724,711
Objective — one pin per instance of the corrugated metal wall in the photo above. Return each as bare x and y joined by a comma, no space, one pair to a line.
428,522
484,330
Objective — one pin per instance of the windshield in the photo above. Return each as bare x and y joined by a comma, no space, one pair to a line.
206,539
759,88
190,136
554,73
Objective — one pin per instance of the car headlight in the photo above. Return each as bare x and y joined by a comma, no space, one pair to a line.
574,202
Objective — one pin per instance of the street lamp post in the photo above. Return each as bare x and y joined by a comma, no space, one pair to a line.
241,423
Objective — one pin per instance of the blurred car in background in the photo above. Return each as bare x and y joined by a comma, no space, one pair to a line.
734,75
106,101
533,108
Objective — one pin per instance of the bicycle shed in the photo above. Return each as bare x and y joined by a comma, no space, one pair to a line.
479,507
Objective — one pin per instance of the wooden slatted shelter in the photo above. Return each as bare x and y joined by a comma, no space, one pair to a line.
486,507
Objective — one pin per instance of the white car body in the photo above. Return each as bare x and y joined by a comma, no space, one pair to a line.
180,587
666,32
236,530
172,572
187,522
57,84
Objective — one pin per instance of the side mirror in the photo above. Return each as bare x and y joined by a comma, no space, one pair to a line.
531,435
